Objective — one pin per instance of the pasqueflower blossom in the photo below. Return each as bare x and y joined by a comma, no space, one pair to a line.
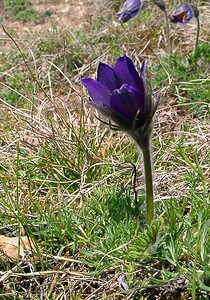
122,95
129,10
182,14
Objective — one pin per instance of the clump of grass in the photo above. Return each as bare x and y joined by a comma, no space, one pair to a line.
21,10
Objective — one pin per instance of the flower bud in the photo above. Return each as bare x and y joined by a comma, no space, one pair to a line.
160,4
129,10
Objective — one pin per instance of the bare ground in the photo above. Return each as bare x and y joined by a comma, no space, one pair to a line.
66,14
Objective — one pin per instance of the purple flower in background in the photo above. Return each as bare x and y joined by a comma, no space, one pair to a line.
182,14
129,10
120,94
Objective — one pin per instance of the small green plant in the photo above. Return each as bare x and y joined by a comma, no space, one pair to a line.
21,10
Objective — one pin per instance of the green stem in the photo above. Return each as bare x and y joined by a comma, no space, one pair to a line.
148,182
197,41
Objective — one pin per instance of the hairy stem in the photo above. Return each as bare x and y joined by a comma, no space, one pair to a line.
197,42
168,37
149,183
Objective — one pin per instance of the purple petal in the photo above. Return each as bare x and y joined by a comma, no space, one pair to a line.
128,101
103,109
182,14
105,75
129,9
108,112
125,72
97,91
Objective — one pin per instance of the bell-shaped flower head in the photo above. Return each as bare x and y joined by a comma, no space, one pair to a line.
121,94
129,10
182,14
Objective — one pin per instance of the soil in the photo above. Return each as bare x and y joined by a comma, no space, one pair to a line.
65,13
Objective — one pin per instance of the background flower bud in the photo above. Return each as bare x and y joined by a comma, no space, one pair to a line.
129,10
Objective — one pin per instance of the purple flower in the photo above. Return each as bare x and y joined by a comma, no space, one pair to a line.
129,10
182,14
120,93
